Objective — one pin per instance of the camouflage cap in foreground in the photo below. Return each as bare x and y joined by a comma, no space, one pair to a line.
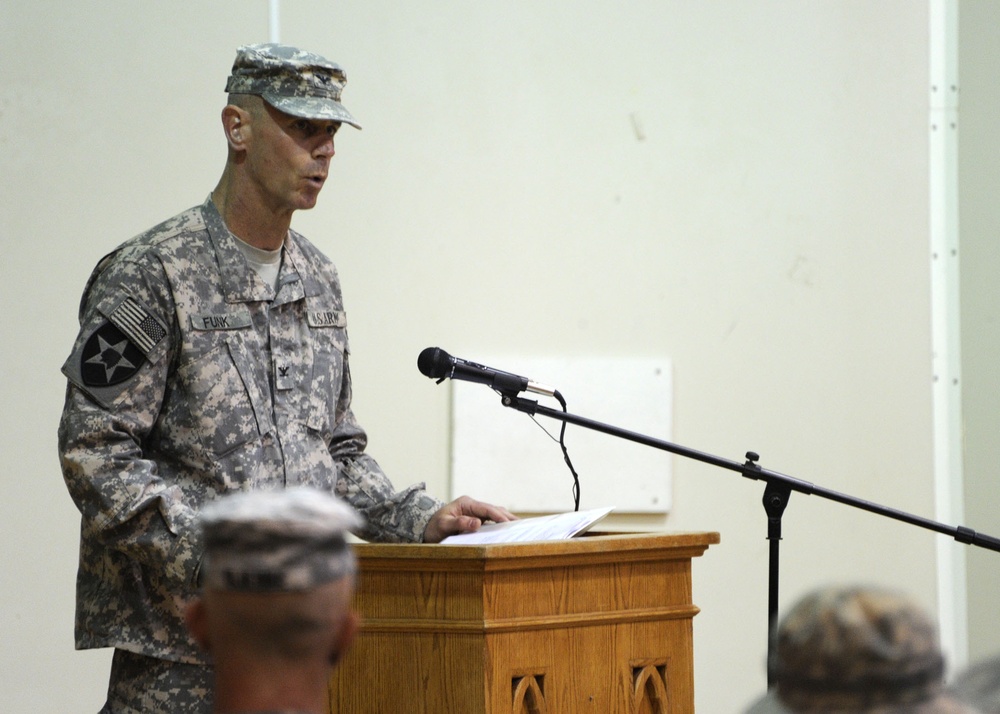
270,541
858,649
291,80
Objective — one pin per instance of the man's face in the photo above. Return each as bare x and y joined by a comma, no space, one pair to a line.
288,158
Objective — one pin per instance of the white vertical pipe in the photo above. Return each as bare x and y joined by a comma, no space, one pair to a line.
274,20
946,336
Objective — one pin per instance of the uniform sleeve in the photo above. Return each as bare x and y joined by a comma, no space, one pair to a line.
116,375
390,516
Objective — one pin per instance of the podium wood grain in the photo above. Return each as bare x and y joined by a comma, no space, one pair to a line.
600,623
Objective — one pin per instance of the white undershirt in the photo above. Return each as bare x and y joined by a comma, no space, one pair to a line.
266,263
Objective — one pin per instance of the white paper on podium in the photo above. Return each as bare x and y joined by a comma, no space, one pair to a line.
555,527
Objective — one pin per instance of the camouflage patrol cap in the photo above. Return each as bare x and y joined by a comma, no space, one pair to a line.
859,649
291,80
269,541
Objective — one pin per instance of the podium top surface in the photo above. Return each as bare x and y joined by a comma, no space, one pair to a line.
593,547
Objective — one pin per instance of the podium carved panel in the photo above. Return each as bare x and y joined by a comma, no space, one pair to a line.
528,696
650,689
599,624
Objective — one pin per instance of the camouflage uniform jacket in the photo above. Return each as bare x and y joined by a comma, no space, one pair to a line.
191,377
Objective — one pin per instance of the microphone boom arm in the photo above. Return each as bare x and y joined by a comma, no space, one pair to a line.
750,469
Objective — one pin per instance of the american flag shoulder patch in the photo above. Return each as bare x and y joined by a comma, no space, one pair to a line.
138,324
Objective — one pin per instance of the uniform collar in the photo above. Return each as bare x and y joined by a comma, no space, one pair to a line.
240,283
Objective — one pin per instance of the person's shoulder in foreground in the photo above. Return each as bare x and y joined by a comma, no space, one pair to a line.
979,685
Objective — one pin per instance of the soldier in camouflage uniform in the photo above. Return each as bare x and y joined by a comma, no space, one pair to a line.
863,650
275,612
213,357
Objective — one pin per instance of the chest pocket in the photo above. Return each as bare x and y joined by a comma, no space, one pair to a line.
221,400
327,335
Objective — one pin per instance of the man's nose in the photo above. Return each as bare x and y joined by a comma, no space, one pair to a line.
325,147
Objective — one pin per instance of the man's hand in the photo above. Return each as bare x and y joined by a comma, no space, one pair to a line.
463,515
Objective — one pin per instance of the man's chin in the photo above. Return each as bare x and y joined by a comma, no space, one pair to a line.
307,201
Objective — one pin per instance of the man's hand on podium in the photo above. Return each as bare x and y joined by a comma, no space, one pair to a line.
463,515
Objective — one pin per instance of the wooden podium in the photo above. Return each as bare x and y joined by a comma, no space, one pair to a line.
596,624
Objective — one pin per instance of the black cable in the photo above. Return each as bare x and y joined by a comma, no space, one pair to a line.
562,444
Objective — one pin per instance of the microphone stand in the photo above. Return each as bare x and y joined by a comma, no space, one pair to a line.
777,491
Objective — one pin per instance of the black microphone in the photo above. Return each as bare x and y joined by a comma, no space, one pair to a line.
437,364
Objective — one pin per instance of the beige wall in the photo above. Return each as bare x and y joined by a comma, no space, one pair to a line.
741,187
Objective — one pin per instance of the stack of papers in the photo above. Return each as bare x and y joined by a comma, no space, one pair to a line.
555,527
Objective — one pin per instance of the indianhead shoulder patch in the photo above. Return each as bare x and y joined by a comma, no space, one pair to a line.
109,358
116,350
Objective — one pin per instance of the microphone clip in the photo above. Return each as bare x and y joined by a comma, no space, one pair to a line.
521,404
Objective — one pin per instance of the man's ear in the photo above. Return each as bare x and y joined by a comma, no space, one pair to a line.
235,124
196,619
346,636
